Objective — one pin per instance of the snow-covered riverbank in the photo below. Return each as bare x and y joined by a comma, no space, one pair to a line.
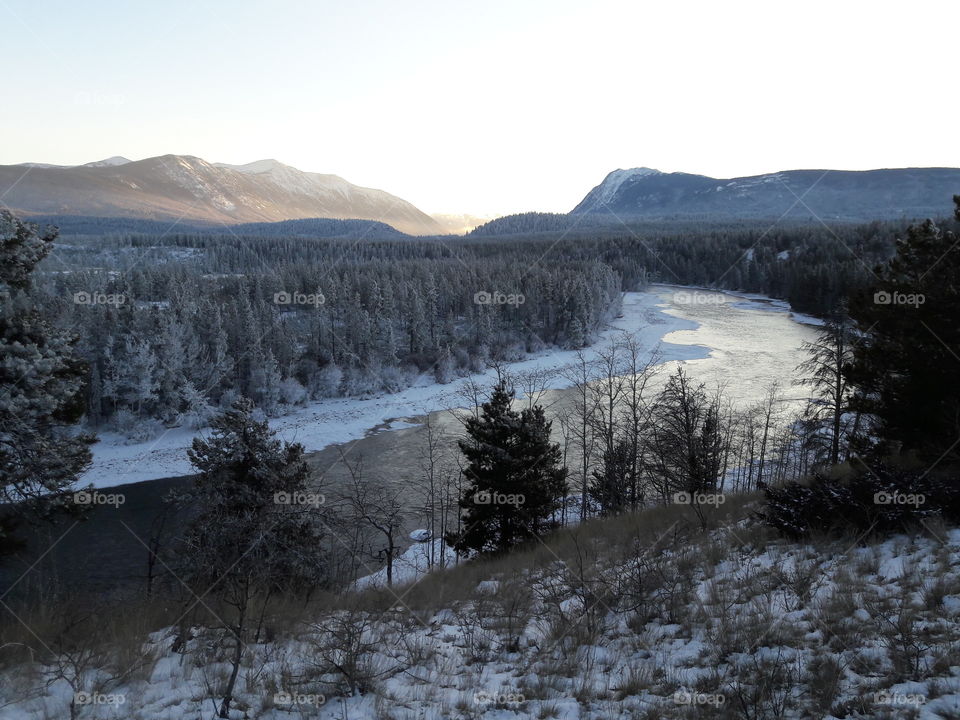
320,424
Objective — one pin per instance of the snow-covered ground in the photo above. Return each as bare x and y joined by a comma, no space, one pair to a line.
412,564
729,624
339,420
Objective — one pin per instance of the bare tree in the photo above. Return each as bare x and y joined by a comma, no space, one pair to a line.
581,419
532,383
688,440
825,369
769,413
639,370
607,390
378,505
436,482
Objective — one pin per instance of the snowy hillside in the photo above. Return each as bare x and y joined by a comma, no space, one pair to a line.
638,617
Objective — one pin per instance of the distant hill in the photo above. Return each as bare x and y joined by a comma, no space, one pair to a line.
192,190
828,195
523,223
309,227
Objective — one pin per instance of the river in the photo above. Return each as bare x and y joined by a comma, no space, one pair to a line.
745,343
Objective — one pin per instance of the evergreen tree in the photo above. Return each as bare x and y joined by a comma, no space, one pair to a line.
906,367
41,382
515,476
612,483
258,530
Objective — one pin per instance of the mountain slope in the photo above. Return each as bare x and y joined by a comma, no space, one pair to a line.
831,194
192,189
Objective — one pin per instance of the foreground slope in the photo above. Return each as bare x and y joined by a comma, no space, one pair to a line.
641,616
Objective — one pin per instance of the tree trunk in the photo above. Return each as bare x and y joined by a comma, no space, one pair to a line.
237,656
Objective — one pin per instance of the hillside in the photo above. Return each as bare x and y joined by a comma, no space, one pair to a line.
811,194
183,188
91,226
643,616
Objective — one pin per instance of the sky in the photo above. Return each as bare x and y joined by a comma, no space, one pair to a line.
489,107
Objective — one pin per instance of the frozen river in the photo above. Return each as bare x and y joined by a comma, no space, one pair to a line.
744,342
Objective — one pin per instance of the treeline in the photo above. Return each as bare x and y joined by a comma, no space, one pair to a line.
99,227
813,267
171,329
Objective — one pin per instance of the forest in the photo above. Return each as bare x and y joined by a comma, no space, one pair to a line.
174,326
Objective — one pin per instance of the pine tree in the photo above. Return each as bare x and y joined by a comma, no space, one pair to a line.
258,531
515,477
907,365
41,382
611,485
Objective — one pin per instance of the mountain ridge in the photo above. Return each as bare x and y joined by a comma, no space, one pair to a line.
190,188
829,194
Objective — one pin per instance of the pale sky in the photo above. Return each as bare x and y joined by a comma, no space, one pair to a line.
484,107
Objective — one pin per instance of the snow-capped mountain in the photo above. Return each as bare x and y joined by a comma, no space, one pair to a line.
832,194
114,161
191,189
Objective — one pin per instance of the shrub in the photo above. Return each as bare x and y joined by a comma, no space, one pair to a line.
883,501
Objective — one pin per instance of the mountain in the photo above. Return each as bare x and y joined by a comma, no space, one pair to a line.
829,195
190,189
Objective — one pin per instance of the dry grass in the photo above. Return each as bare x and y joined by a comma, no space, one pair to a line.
587,621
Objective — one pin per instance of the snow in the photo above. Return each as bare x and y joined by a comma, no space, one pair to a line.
319,424
115,161
412,564
658,664
612,183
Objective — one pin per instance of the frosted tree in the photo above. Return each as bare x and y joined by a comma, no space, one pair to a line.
139,385
40,380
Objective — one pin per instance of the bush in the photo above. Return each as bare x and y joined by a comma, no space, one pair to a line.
886,501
